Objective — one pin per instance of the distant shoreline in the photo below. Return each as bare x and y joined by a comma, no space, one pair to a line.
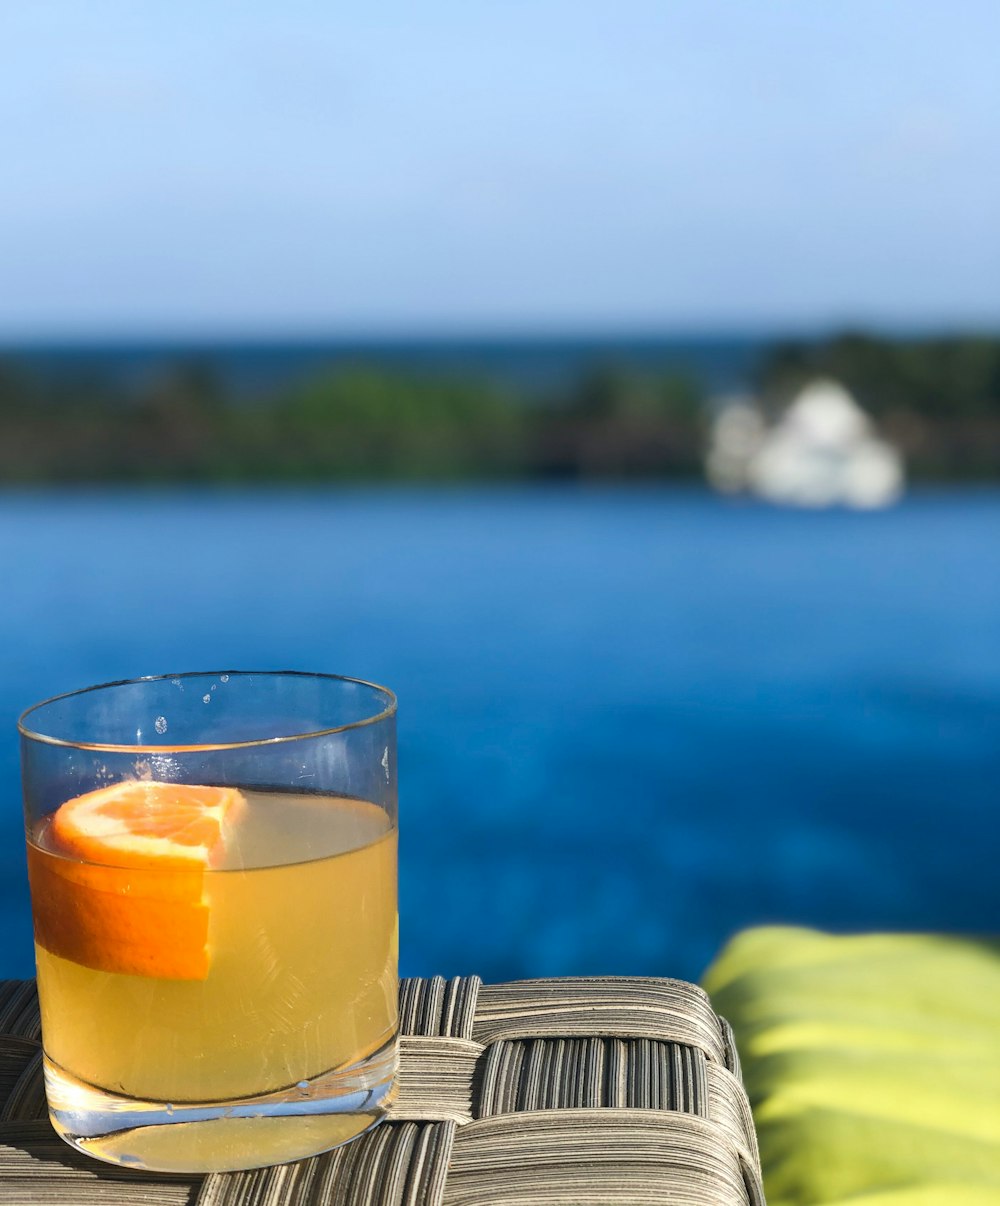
448,409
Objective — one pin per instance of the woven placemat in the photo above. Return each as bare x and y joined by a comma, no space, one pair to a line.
590,1091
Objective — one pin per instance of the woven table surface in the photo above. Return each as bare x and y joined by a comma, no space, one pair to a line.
543,1091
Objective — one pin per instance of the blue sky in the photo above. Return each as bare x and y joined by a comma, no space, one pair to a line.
472,166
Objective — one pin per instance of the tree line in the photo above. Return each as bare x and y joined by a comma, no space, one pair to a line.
939,400
359,422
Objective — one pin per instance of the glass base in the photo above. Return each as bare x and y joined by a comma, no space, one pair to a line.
304,1119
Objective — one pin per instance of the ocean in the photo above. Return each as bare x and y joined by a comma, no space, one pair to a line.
632,719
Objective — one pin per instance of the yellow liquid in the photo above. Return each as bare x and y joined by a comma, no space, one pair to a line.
302,939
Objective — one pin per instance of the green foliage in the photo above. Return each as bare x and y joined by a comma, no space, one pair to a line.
363,422
616,423
933,378
938,400
342,424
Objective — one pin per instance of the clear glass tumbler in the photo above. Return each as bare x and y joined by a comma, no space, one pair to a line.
212,861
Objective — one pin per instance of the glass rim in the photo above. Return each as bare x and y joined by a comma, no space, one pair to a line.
165,748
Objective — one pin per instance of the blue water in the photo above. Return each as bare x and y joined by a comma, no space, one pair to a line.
631,720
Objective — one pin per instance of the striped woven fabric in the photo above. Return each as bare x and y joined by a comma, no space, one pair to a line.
562,1092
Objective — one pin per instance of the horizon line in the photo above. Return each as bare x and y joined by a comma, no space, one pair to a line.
640,334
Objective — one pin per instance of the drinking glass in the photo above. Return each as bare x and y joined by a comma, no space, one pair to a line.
212,860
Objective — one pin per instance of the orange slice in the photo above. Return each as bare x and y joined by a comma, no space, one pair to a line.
117,877
141,824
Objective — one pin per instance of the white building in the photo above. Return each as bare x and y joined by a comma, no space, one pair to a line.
822,452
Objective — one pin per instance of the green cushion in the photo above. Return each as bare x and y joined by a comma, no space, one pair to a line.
872,1062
